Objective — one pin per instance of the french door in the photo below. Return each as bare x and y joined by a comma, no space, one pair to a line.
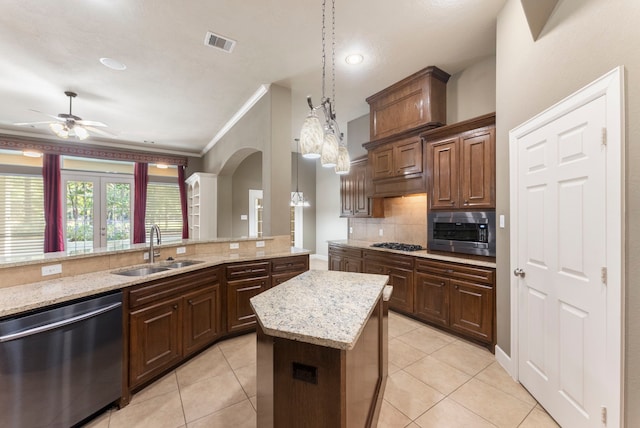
98,211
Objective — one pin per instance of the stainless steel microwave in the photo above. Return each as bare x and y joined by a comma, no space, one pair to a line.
471,232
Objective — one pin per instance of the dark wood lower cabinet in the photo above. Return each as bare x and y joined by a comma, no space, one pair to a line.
432,298
456,297
472,310
202,321
155,340
240,315
171,319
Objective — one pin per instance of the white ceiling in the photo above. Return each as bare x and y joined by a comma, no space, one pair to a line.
178,93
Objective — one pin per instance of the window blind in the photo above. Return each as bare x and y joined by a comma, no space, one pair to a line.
163,209
21,215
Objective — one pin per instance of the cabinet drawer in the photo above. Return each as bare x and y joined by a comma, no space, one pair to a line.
168,287
247,270
279,278
388,259
453,270
338,250
290,264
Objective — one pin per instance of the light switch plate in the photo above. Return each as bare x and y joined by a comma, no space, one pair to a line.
379,232
51,269
243,217
350,229
234,246
501,221
145,256
259,244
181,250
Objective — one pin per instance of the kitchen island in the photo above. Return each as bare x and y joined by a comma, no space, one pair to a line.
322,350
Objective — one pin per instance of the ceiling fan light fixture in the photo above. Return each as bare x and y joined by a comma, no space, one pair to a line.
80,132
60,129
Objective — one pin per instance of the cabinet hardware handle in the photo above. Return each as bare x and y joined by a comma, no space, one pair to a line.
175,306
442,283
466,202
190,302
453,202
456,287
449,270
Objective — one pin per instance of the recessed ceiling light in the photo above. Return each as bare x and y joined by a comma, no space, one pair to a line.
113,64
354,59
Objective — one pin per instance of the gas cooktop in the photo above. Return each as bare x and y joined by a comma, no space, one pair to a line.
398,246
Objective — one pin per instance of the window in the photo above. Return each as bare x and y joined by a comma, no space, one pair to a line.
163,209
21,215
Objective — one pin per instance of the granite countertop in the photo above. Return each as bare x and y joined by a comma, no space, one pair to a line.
26,297
326,308
425,254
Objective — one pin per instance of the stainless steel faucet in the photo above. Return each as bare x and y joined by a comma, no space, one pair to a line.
153,254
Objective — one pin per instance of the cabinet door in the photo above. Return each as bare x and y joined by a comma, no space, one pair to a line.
432,298
382,162
443,159
346,195
351,265
402,296
240,316
407,156
478,170
472,310
155,340
335,262
202,318
359,190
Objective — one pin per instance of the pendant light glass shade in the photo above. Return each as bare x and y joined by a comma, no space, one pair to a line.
311,137
329,157
344,162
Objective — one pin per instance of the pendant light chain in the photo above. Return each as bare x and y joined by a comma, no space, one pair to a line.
333,55
324,55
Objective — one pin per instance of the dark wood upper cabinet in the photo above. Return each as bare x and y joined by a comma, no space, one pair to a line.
461,165
355,200
416,101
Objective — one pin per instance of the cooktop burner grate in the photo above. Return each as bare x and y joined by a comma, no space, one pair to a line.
398,246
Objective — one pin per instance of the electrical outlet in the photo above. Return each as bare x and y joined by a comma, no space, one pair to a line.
259,244
350,229
234,246
51,269
145,256
181,250
380,232
243,217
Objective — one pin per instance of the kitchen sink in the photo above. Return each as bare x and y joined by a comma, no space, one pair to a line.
181,264
142,271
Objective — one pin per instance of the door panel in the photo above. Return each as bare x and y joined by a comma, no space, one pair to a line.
561,248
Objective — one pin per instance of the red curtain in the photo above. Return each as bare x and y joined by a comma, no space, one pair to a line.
183,202
140,180
53,229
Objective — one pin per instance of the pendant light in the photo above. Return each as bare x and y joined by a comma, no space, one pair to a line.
297,199
318,140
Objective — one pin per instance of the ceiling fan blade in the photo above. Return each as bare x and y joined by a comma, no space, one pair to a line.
48,115
99,132
90,123
32,123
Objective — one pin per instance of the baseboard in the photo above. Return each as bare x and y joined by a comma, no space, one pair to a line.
319,257
505,361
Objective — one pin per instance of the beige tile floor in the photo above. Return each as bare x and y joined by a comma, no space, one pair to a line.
435,380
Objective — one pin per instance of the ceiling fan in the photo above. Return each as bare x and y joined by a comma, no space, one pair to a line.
69,125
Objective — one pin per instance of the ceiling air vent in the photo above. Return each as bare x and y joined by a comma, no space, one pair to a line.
219,42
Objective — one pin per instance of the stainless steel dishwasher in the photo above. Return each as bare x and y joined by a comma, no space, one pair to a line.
62,364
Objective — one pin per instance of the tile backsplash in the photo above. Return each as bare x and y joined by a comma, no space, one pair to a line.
405,220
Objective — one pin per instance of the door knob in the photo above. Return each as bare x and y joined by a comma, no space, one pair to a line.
519,272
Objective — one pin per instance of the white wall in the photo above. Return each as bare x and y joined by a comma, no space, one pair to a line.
329,225
582,40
